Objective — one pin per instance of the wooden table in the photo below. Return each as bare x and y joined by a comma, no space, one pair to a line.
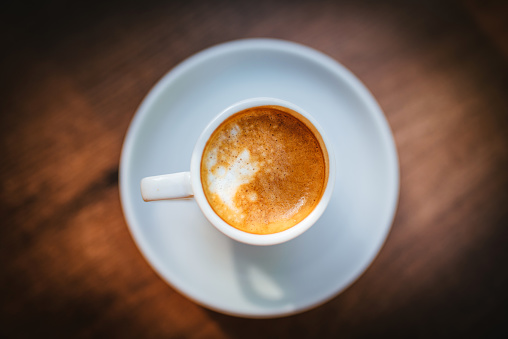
72,78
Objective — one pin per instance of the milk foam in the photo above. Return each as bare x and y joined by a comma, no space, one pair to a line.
293,210
225,182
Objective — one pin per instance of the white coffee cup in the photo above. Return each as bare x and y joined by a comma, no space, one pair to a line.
188,184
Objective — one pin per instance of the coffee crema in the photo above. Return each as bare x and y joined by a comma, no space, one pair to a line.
264,169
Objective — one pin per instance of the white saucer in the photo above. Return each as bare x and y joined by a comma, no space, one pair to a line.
231,277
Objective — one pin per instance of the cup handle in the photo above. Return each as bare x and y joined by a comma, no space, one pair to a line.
167,187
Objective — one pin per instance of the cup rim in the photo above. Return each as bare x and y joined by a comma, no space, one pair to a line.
221,225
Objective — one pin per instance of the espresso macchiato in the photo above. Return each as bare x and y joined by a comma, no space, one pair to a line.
264,169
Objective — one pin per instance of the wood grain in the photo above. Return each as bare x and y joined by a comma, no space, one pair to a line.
71,79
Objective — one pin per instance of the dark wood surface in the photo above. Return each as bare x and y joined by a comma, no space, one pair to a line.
71,78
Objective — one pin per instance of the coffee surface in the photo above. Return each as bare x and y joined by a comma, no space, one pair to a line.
263,170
